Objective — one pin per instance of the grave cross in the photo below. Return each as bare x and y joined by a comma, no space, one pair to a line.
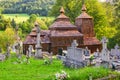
38,53
8,50
74,43
104,42
30,50
116,46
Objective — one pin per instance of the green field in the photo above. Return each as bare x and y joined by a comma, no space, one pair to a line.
11,69
21,17
17,17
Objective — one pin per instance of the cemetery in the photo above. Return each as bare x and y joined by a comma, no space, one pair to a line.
64,52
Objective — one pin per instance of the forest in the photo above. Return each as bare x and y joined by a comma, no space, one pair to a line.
40,7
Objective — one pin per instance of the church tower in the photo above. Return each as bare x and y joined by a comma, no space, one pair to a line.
85,24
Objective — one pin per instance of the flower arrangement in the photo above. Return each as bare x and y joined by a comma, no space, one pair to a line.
46,62
62,75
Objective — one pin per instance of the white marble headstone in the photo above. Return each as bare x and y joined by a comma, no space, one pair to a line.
105,54
75,53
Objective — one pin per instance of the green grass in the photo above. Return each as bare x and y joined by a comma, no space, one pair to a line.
22,17
37,70
17,17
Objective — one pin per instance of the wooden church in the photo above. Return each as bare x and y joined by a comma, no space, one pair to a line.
62,33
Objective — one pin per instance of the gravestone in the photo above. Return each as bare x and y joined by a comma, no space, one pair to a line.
98,62
18,44
2,57
30,50
17,47
27,57
74,52
105,54
8,50
38,53
115,52
97,53
75,56
50,57
105,64
21,47
87,52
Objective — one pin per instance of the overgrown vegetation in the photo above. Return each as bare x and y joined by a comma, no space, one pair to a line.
11,69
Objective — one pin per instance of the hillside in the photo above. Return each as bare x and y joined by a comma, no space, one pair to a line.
40,7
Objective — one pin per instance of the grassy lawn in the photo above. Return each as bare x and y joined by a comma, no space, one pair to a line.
37,70
22,17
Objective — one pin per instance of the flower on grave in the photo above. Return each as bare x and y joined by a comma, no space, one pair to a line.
62,75
90,76
19,61
46,61
57,75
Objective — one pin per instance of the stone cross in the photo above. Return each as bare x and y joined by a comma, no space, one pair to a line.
105,54
74,52
116,46
74,43
18,44
17,47
87,52
50,58
27,57
30,50
117,51
8,50
97,53
2,57
38,53
104,42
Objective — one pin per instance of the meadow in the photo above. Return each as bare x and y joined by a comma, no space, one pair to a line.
22,17
17,17
15,69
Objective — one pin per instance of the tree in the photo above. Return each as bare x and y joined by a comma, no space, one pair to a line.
1,26
13,23
8,36
94,9
42,24
116,22
32,18
27,26
117,13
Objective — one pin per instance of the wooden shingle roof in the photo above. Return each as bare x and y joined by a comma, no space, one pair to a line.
84,14
62,22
